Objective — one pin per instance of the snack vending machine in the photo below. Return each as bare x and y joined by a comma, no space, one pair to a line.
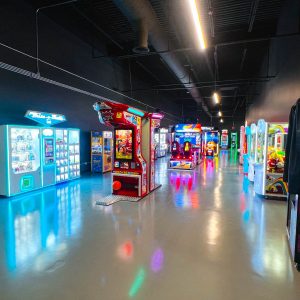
48,156
20,159
67,154
74,154
62,163
101,151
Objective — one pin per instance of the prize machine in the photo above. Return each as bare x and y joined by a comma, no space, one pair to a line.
252,151
243,144
30,157
156,144
162,146
211,143
224,139
269,163
234,141
101,151
247,149
186,147
133,173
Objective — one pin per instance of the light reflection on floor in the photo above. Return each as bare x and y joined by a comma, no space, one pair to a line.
203,234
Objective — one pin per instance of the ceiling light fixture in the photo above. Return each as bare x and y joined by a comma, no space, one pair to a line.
220,113
197,23
216,97
221,121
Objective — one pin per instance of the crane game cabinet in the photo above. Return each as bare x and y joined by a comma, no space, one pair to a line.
269,160
133,174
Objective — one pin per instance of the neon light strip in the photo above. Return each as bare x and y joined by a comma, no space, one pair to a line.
135,111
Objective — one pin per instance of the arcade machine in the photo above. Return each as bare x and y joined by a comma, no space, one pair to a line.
293,228
156,144
247,149
133,173
186,147
211,143
290,176
161,140
234,141
243,144
224,139
269,163
252,151
30,156
101,151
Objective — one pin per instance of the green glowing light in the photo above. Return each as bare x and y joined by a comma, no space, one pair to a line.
137,283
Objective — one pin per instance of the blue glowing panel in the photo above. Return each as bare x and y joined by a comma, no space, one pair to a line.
44,118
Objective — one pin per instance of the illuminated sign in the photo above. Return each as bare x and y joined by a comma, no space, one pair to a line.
188,128
45,118
207,128
163,130
136,111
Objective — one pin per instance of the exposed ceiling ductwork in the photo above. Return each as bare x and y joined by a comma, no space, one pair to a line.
144,20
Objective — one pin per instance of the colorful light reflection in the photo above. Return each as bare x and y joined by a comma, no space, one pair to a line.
137,283
125,251
157,260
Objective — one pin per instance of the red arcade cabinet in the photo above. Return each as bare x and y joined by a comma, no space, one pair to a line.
133,169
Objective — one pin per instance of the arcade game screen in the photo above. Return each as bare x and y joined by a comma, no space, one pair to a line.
123,144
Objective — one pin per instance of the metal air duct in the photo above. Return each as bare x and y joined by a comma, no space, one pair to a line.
141,12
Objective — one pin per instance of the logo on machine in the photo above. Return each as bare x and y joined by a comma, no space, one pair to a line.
107,115
119,115
45,118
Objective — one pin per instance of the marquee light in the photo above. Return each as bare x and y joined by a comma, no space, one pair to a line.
197,24
216,97
135,111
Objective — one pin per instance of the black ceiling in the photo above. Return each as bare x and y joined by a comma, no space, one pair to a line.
236,31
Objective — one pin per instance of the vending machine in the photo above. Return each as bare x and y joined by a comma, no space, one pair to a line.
101,151
20,159
74,154
48,156
62,160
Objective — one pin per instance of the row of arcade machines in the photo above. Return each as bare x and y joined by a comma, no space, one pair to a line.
34,157
263,150
225,140
133,171
191,142
262,153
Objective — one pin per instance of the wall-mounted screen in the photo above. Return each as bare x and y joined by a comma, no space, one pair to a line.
124,144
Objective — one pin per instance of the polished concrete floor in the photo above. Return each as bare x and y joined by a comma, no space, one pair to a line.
202,235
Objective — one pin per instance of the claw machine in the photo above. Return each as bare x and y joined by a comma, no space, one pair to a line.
101,151
269,163
252,151
20,159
